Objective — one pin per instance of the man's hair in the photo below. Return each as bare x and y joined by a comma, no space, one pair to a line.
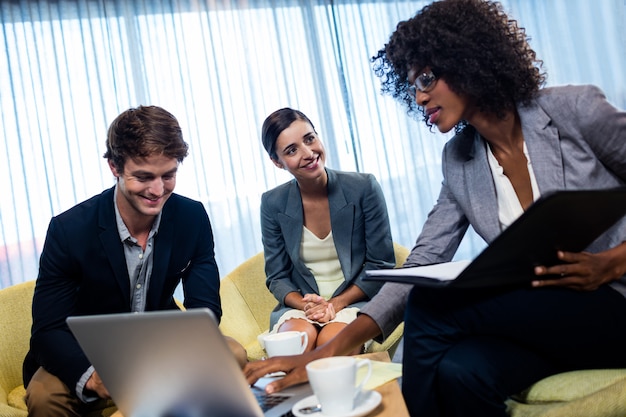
274,125
479,51
141,132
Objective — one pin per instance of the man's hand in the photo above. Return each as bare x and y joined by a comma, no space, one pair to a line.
94,383
584,271
293,366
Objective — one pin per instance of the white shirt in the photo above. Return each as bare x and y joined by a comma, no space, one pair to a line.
509,206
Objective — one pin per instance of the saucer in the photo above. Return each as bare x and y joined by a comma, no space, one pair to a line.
366,402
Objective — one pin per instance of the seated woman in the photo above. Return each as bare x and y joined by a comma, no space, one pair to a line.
321,232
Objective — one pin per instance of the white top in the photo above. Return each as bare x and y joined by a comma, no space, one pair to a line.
509,207
320,257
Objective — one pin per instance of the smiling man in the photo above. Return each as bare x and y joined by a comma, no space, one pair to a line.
124,250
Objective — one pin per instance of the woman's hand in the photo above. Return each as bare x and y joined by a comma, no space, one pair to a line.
318,309
329,314
584,271
293,366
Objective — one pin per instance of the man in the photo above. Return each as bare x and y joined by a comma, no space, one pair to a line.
123,250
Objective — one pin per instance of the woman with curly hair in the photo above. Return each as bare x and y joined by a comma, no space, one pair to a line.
466,65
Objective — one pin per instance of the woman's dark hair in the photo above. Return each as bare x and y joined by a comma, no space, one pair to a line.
473,45
144,131
275,123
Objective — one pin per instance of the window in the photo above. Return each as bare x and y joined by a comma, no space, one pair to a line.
70,67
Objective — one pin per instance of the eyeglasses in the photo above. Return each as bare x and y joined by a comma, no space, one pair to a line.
424,82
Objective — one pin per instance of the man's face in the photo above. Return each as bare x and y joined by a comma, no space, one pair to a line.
144,187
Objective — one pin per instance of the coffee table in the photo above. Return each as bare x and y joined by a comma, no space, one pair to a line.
392,404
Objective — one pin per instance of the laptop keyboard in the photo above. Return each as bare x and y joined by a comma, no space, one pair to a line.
267,401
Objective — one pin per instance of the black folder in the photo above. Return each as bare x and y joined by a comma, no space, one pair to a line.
562,220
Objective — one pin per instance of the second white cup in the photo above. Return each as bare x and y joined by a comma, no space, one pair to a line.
334,382
285,343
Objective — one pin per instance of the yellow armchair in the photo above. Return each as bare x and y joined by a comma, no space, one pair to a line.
247,303
15,323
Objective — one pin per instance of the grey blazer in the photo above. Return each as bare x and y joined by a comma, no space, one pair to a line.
360,228
575,140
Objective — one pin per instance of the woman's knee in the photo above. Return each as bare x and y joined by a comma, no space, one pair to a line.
330,331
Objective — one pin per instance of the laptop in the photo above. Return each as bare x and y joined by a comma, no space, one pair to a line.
561,220
174,364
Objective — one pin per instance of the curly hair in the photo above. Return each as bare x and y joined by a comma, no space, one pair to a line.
144,131
479,51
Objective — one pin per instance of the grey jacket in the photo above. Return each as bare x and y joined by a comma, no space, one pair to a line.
575,140
360,228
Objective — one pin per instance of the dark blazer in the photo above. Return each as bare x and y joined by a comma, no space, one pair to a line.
360,227
83,271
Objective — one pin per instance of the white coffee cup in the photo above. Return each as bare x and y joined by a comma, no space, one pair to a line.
285,343
334,382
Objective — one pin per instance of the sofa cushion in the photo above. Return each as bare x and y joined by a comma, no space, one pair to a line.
569,386
16,398
588,393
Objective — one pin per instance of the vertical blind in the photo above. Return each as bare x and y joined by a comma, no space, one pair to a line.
70,67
